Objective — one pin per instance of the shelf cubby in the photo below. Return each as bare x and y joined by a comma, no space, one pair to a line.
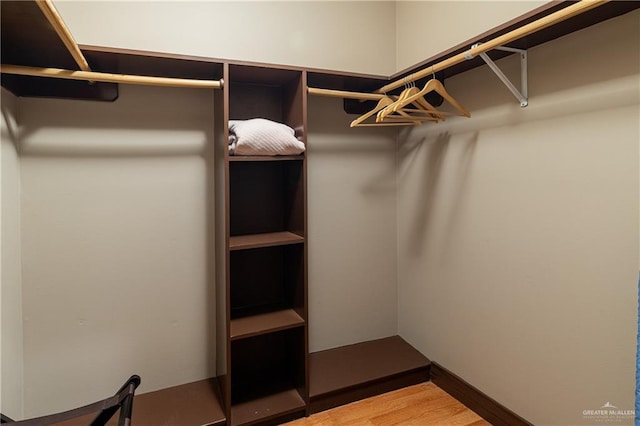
266,197
271,93
267,280
267,364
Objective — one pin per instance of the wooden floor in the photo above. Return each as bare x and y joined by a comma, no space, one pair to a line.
420,405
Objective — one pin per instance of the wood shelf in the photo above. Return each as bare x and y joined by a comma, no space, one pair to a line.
192,404
269,239
255,325
196,403
266,157
348,373
268,407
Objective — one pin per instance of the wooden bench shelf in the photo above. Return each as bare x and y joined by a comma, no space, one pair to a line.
192,404
349,373
337,376
196,403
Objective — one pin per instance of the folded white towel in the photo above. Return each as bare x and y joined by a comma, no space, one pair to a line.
259,136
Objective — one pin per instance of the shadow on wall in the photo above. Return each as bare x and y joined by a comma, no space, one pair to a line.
434,150
142,122
565,76
126,189
10,129
330,135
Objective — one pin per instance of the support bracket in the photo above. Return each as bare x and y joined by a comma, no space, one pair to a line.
521,95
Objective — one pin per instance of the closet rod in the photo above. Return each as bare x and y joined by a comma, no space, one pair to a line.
345,94
111,78
525,30
54,18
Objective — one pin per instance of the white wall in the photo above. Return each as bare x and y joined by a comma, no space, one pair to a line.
426,28
354,36
115,244
352,229
518,229
11,355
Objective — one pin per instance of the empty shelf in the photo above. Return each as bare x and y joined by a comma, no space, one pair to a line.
264,323
270,239
268,407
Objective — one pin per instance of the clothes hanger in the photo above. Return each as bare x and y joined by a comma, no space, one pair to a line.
432,85
421,106
422,110
401,120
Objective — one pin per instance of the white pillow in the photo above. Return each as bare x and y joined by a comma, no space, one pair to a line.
259,136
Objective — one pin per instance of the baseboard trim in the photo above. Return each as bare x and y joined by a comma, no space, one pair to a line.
5,419
485,406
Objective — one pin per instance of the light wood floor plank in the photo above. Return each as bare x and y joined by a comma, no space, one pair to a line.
424,404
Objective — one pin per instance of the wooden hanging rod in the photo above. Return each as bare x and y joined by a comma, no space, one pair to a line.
551,19
111,78
518,33
54,18
345,94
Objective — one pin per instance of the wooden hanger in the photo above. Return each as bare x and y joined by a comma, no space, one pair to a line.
422,107
423,110
401,120
432,85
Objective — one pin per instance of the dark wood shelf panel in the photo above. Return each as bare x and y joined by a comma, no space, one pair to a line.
269,239
266,157
196,404
40,46
191,404
268,407
348,373
265,323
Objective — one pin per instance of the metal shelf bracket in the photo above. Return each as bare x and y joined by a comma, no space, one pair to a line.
521,95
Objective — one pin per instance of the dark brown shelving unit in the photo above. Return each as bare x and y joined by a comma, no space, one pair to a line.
264,286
